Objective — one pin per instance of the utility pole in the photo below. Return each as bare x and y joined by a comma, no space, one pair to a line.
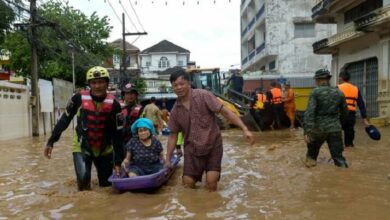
123,76
73,74
34,69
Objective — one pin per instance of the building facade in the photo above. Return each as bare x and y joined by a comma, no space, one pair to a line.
277,38
113,64
361,45
157,62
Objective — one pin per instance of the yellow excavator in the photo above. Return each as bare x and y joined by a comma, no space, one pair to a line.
210,79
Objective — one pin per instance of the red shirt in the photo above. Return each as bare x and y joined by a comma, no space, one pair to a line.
198,124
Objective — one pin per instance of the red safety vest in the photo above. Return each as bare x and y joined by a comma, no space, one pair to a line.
95,120
130,118
351,94
276,96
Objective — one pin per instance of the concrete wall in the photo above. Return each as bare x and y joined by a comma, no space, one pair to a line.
15,113
294,55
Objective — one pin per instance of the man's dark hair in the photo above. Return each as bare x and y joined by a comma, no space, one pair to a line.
153,99
175,75
273,84
344,74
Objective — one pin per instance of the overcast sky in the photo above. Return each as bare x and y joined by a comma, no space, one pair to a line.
210,31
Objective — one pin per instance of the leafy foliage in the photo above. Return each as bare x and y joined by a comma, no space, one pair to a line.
7,17
62,31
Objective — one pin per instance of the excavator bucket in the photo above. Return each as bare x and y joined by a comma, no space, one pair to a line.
250,122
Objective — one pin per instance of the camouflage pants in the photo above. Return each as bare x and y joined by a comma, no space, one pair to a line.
335,144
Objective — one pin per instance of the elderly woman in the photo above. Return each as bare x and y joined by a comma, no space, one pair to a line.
144,152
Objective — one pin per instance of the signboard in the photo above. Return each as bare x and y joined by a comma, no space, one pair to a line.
63,91
46,95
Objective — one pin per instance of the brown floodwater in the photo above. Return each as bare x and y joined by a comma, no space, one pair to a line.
265,181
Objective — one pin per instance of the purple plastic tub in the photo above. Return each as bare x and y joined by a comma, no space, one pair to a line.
144,182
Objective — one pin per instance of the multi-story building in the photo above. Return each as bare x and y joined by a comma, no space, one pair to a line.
361,45
277,38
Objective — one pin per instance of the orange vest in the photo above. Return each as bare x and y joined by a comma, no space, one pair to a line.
351,95
276,96
261,98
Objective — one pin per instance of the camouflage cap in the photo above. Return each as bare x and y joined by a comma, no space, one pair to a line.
322,74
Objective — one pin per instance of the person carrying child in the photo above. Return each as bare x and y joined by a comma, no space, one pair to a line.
144,152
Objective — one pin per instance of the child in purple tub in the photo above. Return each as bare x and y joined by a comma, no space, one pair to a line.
144,152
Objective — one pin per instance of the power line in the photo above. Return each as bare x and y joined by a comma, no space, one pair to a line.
136,15
117,16
128,16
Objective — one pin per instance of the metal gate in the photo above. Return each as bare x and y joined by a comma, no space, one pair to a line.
364,74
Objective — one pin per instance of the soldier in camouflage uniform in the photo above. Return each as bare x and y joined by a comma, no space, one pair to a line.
322,120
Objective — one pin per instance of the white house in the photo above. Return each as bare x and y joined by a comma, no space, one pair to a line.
157,60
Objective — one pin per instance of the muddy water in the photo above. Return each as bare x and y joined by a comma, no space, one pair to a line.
264,181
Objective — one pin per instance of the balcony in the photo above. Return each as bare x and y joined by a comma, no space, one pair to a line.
260,12
244,31
252,54
329,45
251,23
260,48
374,21
320,12
244,61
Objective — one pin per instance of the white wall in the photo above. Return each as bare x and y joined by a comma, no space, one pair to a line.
14,111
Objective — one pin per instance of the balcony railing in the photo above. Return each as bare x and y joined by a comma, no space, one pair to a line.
376,17
244,60
321,8
252,54
251,23
320,44
260,48
260,12
244,31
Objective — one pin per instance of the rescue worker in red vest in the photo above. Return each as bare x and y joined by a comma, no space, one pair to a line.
277,105
98,136
131,110
353,97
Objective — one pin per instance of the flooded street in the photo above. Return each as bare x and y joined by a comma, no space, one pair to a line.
264,181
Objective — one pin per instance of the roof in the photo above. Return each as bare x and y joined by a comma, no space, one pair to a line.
117,44
165,46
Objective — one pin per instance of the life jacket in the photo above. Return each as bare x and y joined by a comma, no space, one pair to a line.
276,96
351,95
130,117
94,121
261,99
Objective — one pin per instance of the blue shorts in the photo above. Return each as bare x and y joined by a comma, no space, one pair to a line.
142,170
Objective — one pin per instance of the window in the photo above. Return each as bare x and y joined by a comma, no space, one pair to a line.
147,63
303,30
272,65
164,62
180,63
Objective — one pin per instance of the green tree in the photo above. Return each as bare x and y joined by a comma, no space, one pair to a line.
7,17
62,30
